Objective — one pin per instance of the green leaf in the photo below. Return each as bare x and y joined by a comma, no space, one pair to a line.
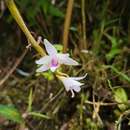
114,42
37,114
11,113
48,75
55,11
115,48
121,97
45,5
59,47
50,9
113,52
30,100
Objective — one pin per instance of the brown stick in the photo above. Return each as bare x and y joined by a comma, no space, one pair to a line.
105,103
18,61
67,24
84,24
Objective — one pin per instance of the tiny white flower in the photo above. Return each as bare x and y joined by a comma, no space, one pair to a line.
53,60
72,83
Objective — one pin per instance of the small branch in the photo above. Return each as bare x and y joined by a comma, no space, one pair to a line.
84,23
16,15
119,121
105,104
67,24
13,68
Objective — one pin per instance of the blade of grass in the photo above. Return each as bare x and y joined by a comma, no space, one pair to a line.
38,115
124,76
30,98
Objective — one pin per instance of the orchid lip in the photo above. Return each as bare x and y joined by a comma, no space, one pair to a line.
54,62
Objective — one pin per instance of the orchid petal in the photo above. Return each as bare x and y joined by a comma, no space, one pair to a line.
71,84
74,83
79,78
76,88
67,83
42,68
43,60
65,59
50,48
63,55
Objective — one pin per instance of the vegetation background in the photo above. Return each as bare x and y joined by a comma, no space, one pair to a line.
99,38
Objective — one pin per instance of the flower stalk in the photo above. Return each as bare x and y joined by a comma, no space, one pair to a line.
16,15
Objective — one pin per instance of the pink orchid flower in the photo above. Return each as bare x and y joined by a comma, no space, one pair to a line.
53,60
72,83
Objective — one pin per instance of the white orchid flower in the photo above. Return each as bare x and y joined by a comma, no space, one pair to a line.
53,60
72,83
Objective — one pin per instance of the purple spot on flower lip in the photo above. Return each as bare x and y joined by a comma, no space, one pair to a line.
54,62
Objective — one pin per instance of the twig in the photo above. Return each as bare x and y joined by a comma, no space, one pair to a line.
51,100
96,107
18,61
104,103
67,24
118,122
16,15
84,24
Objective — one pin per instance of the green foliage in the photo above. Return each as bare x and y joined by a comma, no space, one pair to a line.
114,47
50,9
33,8
121,97
29,109
48,75
90,125
121,74
58,47
11,113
